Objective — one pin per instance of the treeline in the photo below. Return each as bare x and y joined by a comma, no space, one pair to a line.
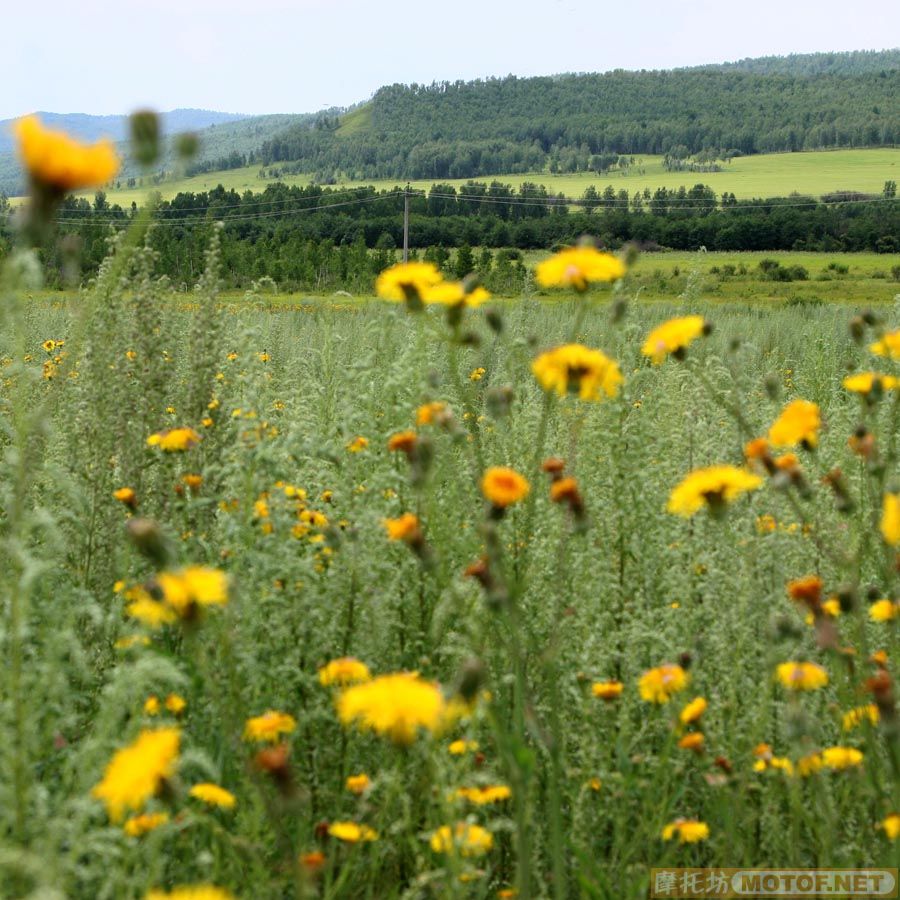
477,128
317,238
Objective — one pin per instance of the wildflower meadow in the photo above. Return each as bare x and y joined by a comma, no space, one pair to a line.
436,595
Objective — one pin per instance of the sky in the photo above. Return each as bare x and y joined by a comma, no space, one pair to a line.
266,56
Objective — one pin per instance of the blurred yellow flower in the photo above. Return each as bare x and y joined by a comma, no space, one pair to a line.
891,826
890,519
459,747
358,444
127,496
802,676
481,796
468,840
151,706
889,345
798,423
428,412
57,161
855,717
714,487
135,772
503,486
397,706
883,610
694,741
191,892
838,758
137,826
404,528
673,337
866,382
607,690
578,267
213,795
352,832
693,711
192,586
269,726
688,831
407,281
357,784
174,440
578,370
660,684
343,671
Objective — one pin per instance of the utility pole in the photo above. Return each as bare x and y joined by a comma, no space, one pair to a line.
406,224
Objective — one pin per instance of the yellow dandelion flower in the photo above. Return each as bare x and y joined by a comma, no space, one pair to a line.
175,704
269,726
883,611
482,796
59,162
191,892
714,487
693,711
137,826
135,772
595,784
407,282
694,741
578,267
126,496
503,486
891,826
809,764
343,671
802,676
889,345
660,684
839,758
149,611
688,831
358,444
855,717
174,440
397,706
798,423
213,795
357,784
866,382
192,586
607,690
578,370
459,747
428,412
890,519
469,840
151,706
352,832
477,374
404,528
674,337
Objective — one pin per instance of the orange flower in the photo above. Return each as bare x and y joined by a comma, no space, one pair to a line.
504,486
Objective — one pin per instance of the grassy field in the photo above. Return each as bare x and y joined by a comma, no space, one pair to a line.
338,495
765,175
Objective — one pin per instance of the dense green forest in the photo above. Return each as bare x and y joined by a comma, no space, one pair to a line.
573,123
313,238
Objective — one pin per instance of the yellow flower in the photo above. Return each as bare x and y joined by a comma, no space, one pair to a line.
481,796
191,892
883,611
453,293
132,640
428,412
126,495
174,440
402,442
693,741
60,162
343,671
889,345
890,519
469,840
688,831
407,281
607,690
576,369
358,444
213,795
151,706
459,747
175,704
405,528
135,772
137,826
352,832
147,610
357,784
809,765
856,716
891,826
798,423
193,585
838,758
595,784
396,706
193,481
577,267
713,486
673,337
802,676
693,711
269,726
504,486
659,684
866,382
477,374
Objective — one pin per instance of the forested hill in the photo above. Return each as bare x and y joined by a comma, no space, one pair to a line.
851,62
570,122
